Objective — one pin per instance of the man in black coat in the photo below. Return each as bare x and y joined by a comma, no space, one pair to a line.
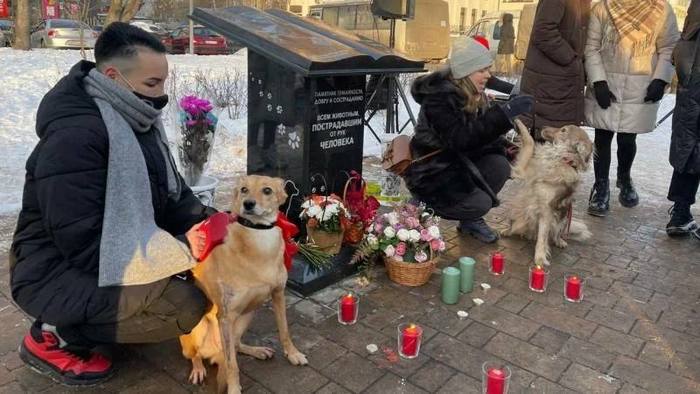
55,256
685,139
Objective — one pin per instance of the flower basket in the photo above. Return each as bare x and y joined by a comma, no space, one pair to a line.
195,140
409,274
325,241
362,208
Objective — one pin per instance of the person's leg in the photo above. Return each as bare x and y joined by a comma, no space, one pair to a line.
495,169
626,151
682,192
599,202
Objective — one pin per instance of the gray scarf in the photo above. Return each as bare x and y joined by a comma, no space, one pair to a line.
133,250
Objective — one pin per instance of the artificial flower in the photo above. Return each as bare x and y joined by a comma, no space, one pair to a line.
403,234
389,251
401,249
389,232
421,257
414,236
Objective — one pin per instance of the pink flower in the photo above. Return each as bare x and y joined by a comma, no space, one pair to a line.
425,235
421,256
435,244
412,222
378,228
401,249
442,246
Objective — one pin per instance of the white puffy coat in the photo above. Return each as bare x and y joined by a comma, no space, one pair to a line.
628,76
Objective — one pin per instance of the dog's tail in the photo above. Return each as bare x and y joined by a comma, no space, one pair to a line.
579,231
527,150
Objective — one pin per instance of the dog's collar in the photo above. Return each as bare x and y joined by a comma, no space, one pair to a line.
247,223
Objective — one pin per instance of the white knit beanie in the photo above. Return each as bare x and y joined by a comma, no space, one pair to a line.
467,56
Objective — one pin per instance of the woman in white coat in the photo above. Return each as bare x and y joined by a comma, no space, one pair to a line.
628,63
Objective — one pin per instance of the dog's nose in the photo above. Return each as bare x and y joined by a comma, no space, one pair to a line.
249,204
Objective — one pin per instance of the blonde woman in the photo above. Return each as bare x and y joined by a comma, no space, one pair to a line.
456,118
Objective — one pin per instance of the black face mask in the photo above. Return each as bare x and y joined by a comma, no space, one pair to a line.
156,102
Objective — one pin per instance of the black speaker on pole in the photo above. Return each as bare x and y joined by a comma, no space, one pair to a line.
394,9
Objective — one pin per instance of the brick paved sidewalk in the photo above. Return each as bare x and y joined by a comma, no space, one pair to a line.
638,329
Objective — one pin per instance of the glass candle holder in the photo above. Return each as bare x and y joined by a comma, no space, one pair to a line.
573,288
410,336
498,263
348,309
495,378
538,279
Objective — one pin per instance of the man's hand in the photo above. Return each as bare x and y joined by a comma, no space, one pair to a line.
196,240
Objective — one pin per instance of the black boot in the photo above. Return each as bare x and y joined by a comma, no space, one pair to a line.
682,222
599,202
628,196
479,230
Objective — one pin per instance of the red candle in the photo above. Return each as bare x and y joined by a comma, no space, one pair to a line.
497,263
347,309
537,276
573,288
495,381
410,340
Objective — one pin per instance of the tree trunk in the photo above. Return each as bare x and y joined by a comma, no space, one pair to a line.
22,25
122,11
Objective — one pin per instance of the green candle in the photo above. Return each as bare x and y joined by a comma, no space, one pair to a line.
450,285
466,266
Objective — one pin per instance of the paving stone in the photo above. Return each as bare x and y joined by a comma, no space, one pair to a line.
461,383
641,310
155,384
432,376
278,375
5,376
549,339
256,388
353,372
616,341
651,378
30,380
653,282
544,386
588,354
12,328
512,303
312,311
333,388
526,356
657,355
558,320
601,298
477,334
323,353
631,291
444,321
12,388
610,318
11,361
663,336
629,388
578,377
328,296
504,321
391,383
687,365
355,337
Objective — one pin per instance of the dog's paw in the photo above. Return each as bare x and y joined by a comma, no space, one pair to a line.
260,352
297,358
542,261
198,374
560,243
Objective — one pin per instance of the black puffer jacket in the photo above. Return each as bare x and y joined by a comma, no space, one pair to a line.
443,124
55,250
685,140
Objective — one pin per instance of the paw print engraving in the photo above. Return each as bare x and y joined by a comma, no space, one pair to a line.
294,140
269,96
260,93
279,110
269,108
281,129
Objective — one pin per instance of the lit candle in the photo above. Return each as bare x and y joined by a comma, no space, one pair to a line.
538,279
574,290
410,337
347,312
497,263
496,381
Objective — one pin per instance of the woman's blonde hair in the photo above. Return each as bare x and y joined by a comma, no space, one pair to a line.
475,100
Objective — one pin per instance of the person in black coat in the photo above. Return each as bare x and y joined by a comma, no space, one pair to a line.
685,138
55,254
461,181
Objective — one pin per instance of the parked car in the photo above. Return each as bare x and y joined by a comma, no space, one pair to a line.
151,28
206,41
6,33
62,33
490,27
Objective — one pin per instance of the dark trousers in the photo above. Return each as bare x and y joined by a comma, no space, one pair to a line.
626,151
683,188
146,314
495,169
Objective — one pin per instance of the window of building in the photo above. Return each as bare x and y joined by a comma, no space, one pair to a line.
346,17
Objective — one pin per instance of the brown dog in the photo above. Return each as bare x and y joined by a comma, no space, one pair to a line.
549,175
237,277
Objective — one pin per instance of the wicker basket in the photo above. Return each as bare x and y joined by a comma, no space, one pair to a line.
325,241
410,274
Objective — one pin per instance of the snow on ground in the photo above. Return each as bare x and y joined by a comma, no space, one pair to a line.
26,76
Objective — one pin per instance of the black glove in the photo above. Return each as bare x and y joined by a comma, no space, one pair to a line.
655,91
603,95
518,106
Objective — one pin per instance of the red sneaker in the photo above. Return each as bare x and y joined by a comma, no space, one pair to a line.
62,365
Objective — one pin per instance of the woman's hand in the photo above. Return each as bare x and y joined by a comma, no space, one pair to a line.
518,105
197,240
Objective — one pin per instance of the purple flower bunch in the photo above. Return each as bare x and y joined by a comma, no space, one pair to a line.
409,233
197,126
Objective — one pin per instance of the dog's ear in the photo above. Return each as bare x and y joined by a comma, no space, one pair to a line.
235,201
550,133
279,190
